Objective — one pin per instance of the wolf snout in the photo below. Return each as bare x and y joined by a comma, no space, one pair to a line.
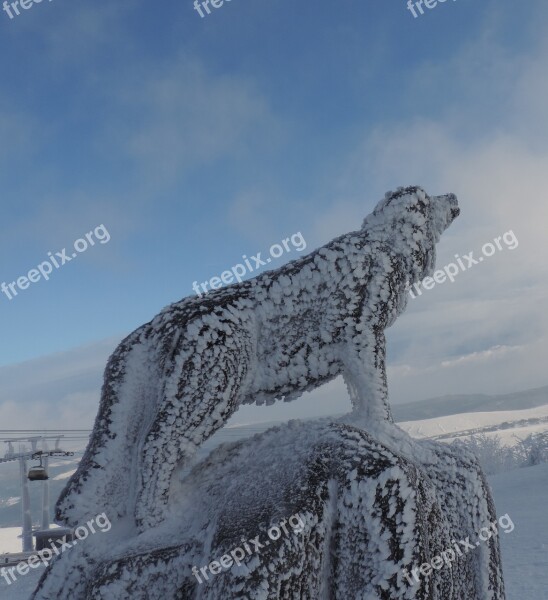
452,204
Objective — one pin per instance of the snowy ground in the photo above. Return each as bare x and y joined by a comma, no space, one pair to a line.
9,540
22,588
522,494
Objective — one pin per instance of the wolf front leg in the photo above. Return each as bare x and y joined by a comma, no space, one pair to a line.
214,367
365,376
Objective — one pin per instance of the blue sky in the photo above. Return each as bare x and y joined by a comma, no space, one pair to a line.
195,141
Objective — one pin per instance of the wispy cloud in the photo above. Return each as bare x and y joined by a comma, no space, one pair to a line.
170,117
56,391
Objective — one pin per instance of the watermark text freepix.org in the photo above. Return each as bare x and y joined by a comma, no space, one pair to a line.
459,549
13,7
418,4
45,555
199,5
451,270
238,271
44,269
237,555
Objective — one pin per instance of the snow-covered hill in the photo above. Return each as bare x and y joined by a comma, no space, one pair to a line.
469,403
510,425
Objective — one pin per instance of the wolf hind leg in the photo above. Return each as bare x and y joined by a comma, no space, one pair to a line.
102,478
211,384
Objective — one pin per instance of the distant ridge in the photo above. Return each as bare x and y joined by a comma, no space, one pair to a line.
444,406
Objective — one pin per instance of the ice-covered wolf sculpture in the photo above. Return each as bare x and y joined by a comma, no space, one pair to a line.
173,382
376,504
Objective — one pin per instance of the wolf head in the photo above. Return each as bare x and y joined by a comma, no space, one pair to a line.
412,223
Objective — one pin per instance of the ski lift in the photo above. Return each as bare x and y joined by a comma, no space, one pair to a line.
38,472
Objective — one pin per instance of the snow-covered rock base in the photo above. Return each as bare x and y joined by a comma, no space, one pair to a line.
371,512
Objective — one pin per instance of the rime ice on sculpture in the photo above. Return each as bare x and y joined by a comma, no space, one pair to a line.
173,382
177,379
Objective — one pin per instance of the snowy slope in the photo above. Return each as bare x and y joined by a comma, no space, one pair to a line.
508,425
469,403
